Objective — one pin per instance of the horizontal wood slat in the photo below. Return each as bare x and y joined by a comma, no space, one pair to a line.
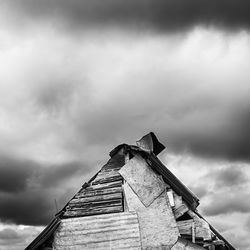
93,192
107,179
103,194
104,197
93,211
101,232
94,204
180,210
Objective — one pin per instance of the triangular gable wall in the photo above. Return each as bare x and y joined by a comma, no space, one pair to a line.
133,202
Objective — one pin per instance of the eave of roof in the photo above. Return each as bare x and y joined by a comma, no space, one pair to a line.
44,235
191,199
230,247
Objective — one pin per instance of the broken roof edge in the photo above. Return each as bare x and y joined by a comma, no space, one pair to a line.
189,197
45,234
230,247
52,226
148,143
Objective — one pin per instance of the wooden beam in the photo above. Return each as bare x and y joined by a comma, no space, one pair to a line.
180,210
105,197
89,193
93,211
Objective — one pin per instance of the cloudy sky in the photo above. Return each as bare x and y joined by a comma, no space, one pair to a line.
79,77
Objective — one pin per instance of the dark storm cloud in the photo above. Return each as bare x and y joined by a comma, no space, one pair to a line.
157,14
29,207
229,203
14,173
17,173
28,189
230,177
228,137
52,175
207,134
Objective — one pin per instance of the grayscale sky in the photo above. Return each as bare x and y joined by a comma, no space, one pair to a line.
79,77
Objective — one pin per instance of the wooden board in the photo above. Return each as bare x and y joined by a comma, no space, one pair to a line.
201,228
93,192
142,179
180,210
183,244
104,197
102,232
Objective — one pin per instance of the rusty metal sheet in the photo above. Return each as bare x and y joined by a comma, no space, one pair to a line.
109,231
142,179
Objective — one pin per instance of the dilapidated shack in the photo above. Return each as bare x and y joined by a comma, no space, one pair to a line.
133,202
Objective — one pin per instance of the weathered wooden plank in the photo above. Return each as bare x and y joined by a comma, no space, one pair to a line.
177,199
107,179
180,210
157,223
201,229
142,179
89,193
110,231
94,204
185,226
107,173
171,197
93,211
105,197
102,218
80,227
183,244
105,185
128,244
100,235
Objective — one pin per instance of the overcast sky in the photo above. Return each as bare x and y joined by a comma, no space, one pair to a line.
79,77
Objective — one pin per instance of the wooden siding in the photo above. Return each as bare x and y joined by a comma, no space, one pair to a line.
201,228
183,244
102,195
109,231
